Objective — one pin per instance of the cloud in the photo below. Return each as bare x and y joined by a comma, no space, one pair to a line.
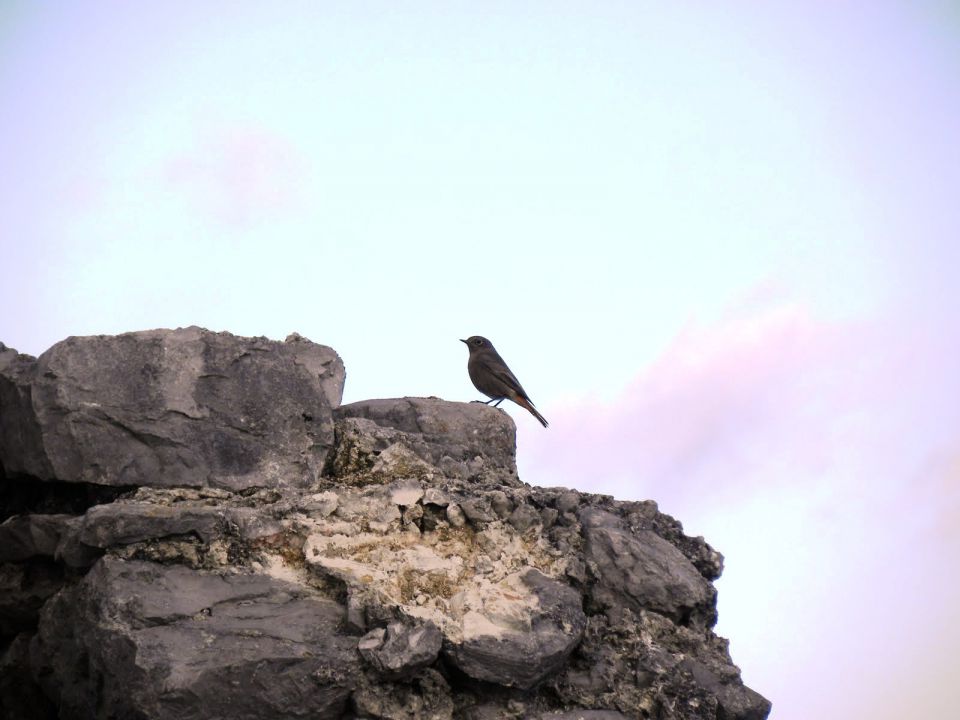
823,459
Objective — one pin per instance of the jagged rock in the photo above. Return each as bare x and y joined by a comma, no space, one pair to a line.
213,592
170,407
426,697
137,639
643,570
463,440
514,642
399,649
26,536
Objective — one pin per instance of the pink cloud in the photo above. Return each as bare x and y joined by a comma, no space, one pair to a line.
240,175
824,460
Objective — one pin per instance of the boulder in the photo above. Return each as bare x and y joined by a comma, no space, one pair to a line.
170,407
401,649
419,437
643,570
137,639
519,632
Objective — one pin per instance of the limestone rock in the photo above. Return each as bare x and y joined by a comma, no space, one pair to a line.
643,570
137,639
401,649
211,538
516,638
464,440
170,407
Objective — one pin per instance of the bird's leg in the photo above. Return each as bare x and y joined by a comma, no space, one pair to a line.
489,401
497,403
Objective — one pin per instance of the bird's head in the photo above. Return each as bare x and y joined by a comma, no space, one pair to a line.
475,343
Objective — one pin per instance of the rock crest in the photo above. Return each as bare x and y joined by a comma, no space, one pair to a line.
194,527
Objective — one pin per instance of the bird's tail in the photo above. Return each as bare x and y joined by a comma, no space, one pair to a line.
525,403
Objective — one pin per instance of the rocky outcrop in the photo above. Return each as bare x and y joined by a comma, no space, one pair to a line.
185,407
375,560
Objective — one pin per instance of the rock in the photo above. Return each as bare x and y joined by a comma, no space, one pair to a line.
401,650
171,407
20,697
225,645
524,518
477,510
521,635
24,588
122,523
26,536
455,516
584,715
425,697
466,439
410,575
643,570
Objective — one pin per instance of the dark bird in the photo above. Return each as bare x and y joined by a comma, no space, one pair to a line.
492,377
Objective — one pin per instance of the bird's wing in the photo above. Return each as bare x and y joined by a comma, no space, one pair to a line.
501,372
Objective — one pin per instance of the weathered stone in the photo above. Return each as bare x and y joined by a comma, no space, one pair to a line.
122,523
224,645
25,536
171,407
500,504
401,650
425,697
456,516
478,511
20,697
24,588
471,439
643,570
237,600
524,518
515,642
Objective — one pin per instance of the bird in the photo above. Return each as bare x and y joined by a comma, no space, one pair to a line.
492,377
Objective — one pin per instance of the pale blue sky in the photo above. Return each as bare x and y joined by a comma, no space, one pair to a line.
716,242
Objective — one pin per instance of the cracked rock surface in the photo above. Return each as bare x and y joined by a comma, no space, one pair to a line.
192,528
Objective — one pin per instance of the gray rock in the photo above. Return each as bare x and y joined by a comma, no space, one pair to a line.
225,646
477,510
244,590
20,697
26,536
469,439
521,658
643,571
122,523
171,407
524,518
425,697
21,437
456,516
401,649
24,588
584,715
500,503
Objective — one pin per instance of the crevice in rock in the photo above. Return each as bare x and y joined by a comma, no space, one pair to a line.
24,494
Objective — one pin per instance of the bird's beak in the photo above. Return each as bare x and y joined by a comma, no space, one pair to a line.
464,341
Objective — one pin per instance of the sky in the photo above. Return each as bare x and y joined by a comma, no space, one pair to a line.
717,242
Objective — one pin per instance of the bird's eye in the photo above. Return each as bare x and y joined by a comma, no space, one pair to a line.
478,342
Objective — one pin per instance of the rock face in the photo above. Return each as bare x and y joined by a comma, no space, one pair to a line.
376,560
184,407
